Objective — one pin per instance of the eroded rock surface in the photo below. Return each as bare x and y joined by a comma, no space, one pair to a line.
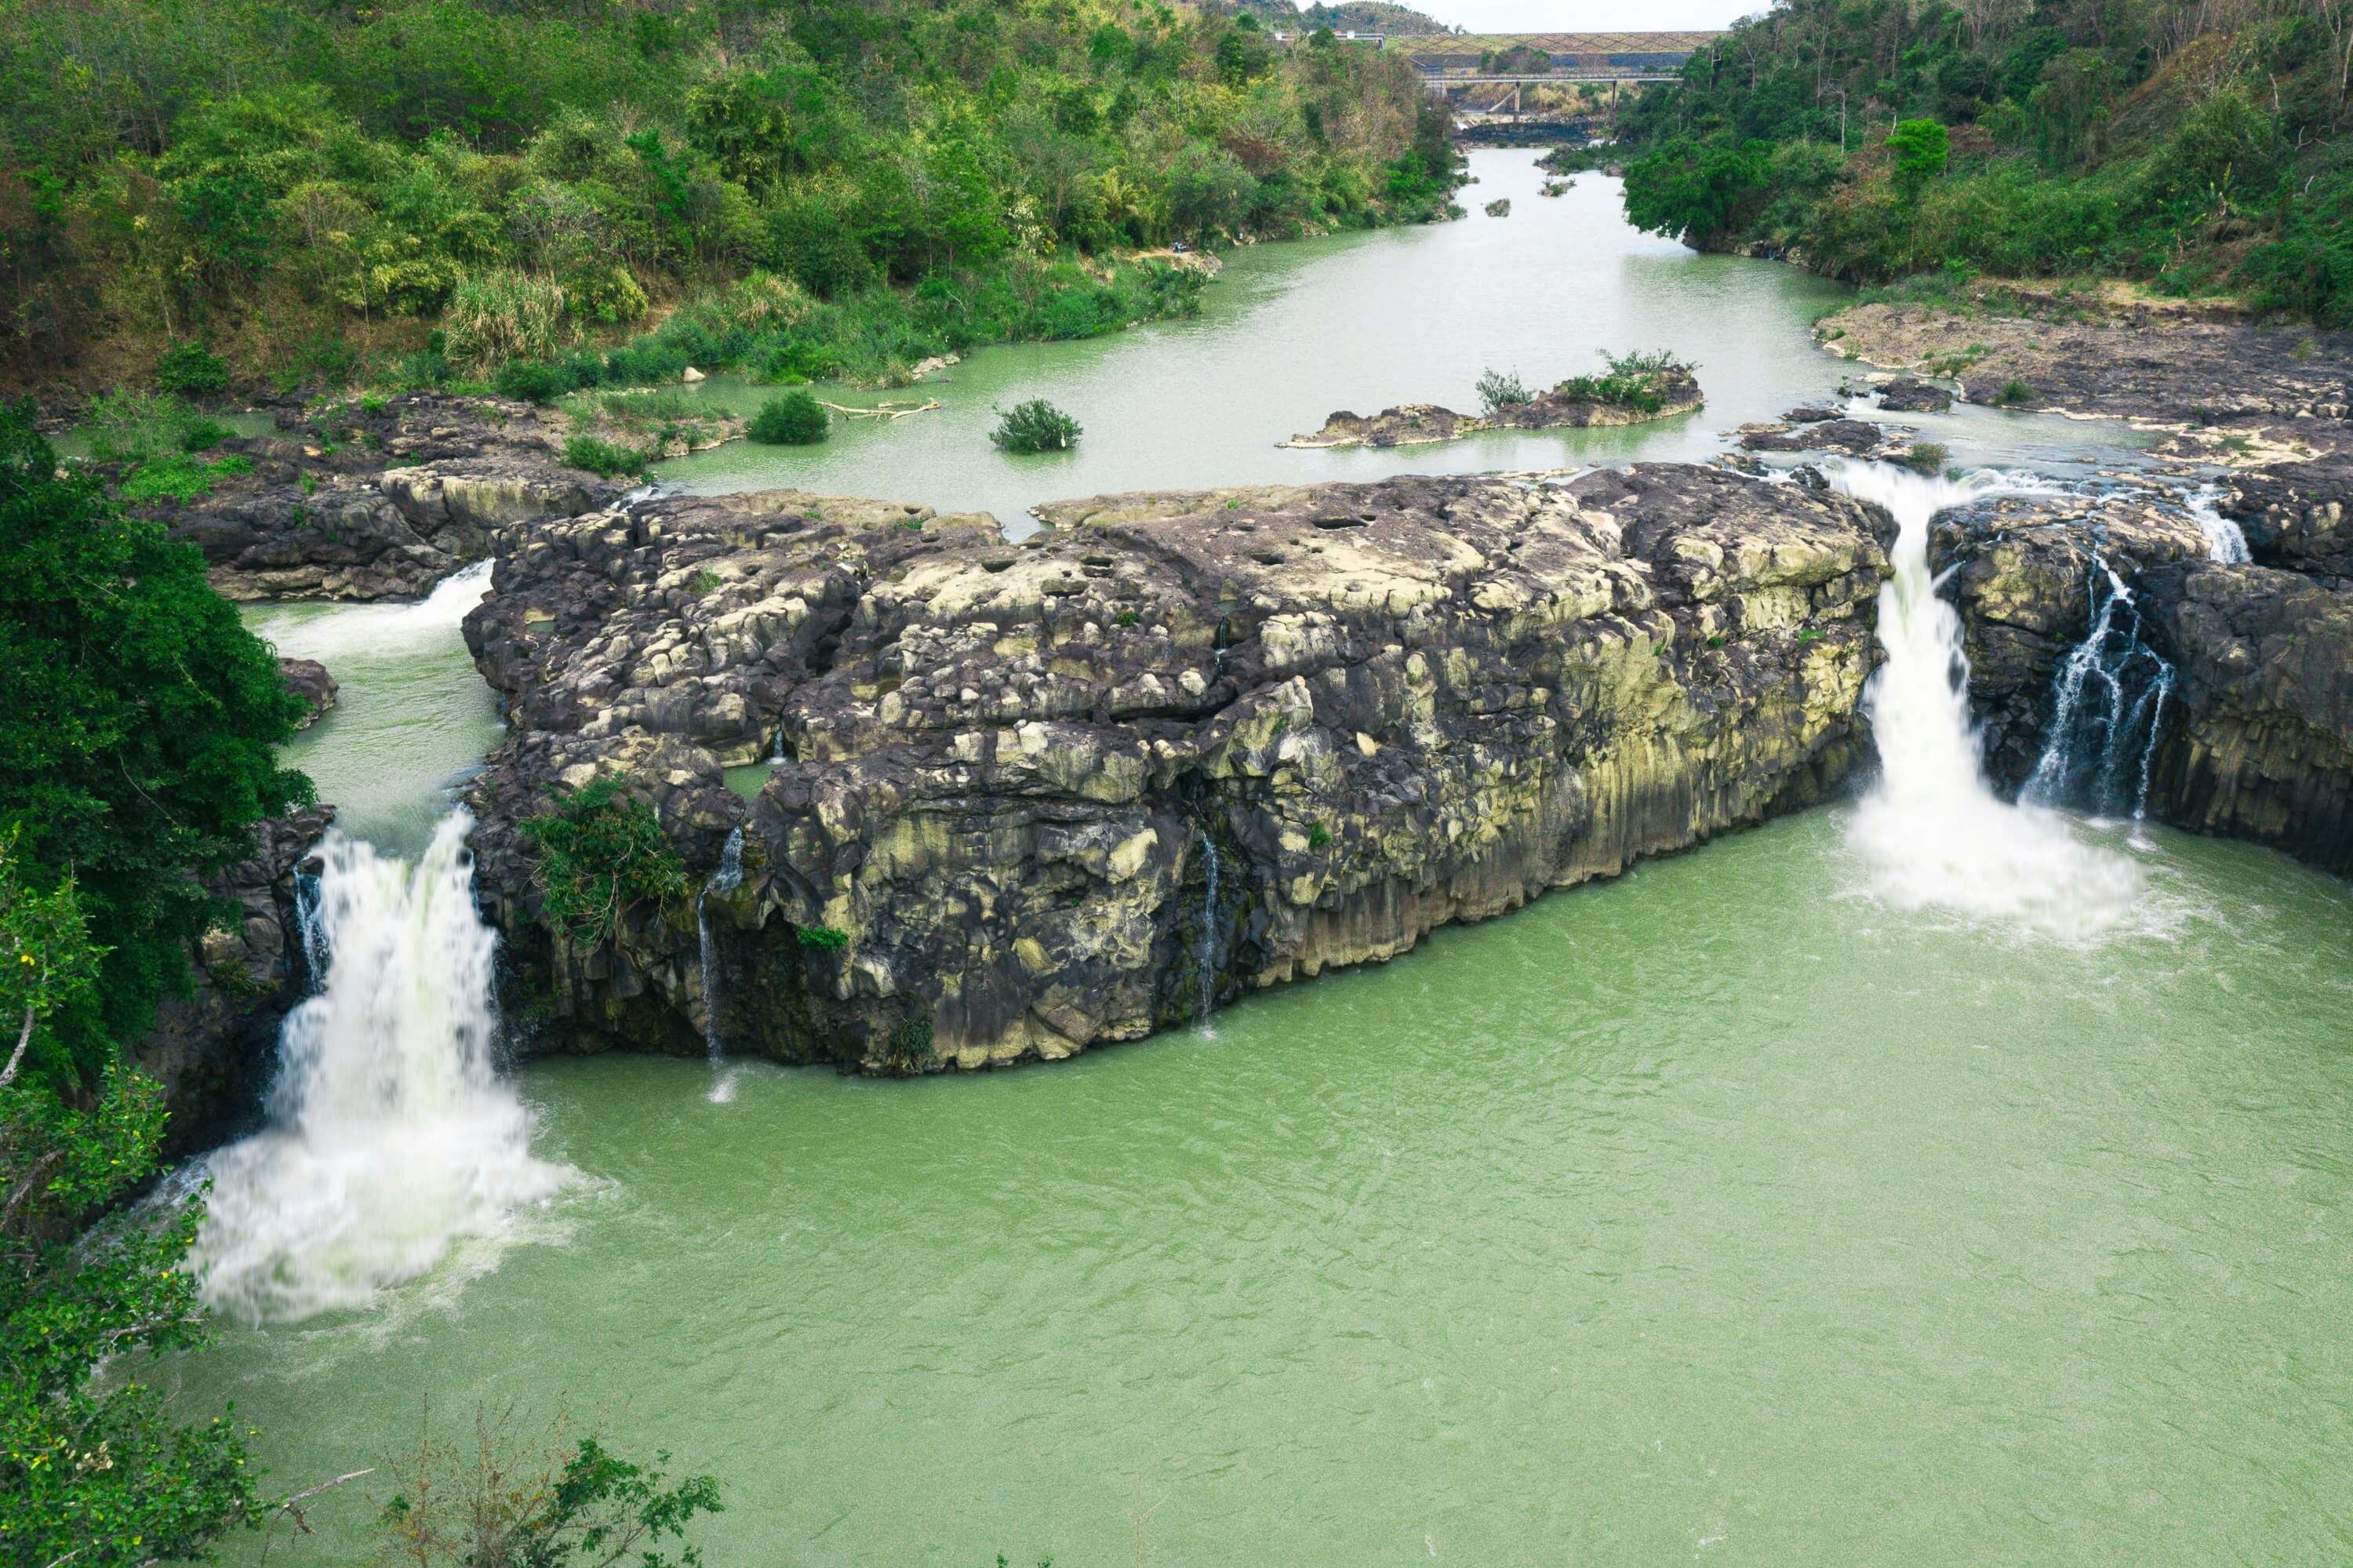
2174,366
1014,775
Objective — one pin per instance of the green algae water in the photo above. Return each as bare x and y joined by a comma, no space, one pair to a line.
1719,1212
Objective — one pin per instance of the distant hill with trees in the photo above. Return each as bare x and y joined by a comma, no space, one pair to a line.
2194,147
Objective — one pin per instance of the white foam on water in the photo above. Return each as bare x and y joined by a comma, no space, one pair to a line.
392,1142
1931,829
376,629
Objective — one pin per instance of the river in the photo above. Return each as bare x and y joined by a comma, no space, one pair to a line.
1733,1210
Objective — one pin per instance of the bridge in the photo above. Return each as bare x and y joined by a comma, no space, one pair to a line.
1452,60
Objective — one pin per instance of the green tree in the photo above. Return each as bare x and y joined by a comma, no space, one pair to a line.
1693,189
142,748
1920,147
100,1475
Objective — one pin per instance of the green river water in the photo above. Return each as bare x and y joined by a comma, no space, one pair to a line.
1719,1213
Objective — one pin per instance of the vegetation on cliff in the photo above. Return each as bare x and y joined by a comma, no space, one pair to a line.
2192,147
103,1474
141,747
422,191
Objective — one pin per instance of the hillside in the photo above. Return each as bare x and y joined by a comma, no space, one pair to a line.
2197,149
291,193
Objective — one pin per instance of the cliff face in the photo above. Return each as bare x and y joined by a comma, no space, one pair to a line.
2023,569
214,1049
2255,732
2265,746
1176,746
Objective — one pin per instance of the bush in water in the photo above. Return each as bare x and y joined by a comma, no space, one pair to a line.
1036,426
93,1472
1501,389
794,420
601,851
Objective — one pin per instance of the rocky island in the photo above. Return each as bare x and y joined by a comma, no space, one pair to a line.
1637,389
1036,796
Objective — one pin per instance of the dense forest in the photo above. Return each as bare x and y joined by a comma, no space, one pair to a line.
416,192
2195,147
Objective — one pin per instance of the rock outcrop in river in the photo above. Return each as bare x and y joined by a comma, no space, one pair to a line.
2252,732
1571,405
1042,796
380,499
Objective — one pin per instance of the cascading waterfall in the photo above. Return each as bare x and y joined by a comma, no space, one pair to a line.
2108,711
390,1136
1933,831
725,880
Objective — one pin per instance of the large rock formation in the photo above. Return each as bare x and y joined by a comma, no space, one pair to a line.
1040,796
380,499
214,1049
2253,731
2264,746
2022,572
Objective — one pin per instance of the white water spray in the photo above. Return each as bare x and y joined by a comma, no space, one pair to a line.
390,1136
2226,542
1935,833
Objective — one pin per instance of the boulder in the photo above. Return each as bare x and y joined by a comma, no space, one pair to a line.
308,679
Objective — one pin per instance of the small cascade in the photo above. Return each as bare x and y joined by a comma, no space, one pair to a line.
2226,542
2108,711
725,880
1205,951
776,758
1932,830
391,1137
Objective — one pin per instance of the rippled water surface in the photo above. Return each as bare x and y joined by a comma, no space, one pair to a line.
1715,1211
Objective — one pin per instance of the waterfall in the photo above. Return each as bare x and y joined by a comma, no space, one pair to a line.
1205,952
2107,709
2226,542
725,880
390,1136
1931,829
